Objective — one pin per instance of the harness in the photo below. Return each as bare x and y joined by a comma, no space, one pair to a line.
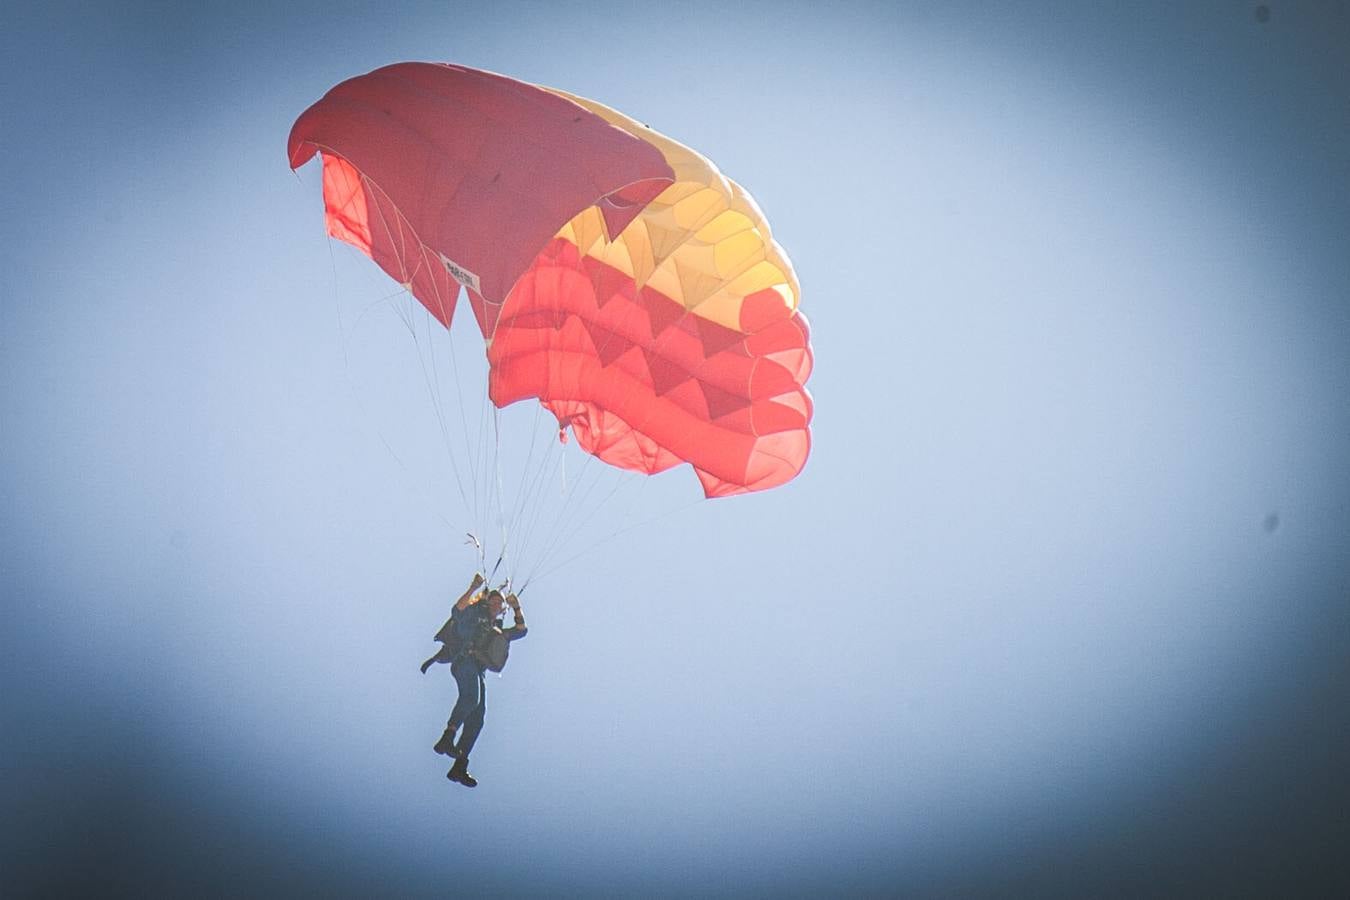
488,646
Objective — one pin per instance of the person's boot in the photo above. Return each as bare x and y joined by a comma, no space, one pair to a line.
460,772
446,744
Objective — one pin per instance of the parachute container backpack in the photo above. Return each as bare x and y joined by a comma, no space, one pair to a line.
616,276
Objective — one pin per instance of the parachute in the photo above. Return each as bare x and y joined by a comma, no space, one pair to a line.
616,275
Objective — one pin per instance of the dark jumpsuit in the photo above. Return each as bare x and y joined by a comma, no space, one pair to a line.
468,672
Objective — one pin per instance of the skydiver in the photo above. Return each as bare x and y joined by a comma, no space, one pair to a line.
472,641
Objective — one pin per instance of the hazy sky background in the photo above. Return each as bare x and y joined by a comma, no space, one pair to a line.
1058,605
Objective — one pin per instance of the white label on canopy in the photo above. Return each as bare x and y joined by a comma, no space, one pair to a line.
461,274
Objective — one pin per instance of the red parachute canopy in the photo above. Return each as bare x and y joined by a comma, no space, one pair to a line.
616,275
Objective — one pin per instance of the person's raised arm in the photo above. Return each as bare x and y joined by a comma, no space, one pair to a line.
477,582
518,627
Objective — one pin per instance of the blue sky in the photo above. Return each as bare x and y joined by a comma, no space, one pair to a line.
1077,281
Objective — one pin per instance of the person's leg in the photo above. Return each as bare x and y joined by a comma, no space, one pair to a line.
467,678
473,723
